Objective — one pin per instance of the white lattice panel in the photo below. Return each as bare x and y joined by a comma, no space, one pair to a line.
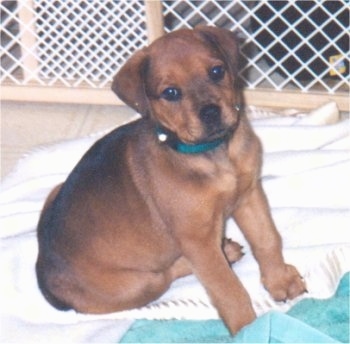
83,43
277,35
76,42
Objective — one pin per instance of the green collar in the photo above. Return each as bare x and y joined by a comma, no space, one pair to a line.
171,139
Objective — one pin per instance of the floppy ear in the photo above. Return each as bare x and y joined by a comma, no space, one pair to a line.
225,42
128,84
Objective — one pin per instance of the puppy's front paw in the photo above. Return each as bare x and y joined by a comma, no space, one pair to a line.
285,283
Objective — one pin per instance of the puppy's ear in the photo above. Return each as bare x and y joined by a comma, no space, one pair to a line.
128,84
225,42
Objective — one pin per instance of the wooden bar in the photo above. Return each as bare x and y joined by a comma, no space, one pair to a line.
295,99
59,94
154,19
28,39
267,98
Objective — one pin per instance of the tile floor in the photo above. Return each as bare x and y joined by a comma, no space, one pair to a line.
26,125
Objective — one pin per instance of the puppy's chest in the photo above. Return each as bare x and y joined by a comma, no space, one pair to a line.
228,187
225,182
222,180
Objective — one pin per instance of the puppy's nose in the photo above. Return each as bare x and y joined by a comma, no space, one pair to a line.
210,115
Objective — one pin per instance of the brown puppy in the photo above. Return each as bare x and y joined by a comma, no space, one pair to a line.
148,202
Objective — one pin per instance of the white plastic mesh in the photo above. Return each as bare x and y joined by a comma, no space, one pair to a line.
280,39
83,43
76,42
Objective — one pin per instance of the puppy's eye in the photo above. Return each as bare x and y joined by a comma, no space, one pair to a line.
217,73
171,94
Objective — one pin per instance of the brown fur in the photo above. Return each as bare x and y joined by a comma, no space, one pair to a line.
135,214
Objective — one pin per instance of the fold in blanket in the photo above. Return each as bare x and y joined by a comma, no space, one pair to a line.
305,175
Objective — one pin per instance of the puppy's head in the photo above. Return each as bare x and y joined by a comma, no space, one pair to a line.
186,82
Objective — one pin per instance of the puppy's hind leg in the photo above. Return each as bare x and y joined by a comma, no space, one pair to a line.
182,268
232,250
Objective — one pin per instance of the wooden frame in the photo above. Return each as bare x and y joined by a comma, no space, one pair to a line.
27,37
261,97
154,20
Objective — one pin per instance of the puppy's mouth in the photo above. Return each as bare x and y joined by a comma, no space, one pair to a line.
218,134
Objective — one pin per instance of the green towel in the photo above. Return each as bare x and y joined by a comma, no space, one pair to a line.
309,321
330,316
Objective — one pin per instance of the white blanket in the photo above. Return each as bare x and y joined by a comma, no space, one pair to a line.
305,175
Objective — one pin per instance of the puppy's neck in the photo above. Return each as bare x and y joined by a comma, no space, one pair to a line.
169,138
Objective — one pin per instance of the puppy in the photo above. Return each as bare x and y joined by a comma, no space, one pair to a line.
148,202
